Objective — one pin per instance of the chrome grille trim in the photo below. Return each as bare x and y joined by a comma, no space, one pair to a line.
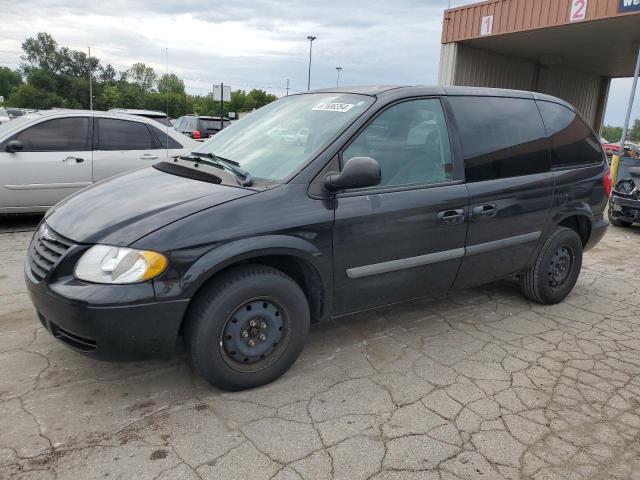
45,250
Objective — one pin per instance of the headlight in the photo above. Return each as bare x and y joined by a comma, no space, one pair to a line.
106,264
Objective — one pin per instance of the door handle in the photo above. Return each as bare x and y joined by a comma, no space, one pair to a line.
451,217
484,211
72,160
148,156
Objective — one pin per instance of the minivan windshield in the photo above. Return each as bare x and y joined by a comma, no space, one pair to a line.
274,141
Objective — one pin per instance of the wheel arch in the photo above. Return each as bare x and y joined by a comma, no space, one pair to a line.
295,257
579,223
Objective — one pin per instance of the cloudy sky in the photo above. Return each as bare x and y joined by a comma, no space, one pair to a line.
253,43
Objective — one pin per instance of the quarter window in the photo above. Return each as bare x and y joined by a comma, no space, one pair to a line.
501,137
114,134
164,140
58,135
572,141
410,142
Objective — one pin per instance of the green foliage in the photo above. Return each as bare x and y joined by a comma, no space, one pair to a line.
144,77
8,81
170,83
634,131
612,134
59,77
33,97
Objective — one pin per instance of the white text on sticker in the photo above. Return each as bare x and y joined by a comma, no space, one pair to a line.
334,107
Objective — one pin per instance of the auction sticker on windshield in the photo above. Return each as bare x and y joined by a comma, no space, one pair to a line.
333,107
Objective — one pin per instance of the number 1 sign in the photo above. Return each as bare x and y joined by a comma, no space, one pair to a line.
486,27
578,10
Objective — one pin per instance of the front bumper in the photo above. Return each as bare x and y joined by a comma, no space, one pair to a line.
625,208
107,322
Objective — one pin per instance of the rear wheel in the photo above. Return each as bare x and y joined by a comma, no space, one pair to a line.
247,327
556,269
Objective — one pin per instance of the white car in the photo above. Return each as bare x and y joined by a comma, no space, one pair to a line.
48,155
159,117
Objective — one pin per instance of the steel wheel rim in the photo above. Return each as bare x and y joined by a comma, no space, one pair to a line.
560,266
255,334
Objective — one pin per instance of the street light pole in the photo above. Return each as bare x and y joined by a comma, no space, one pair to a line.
311,38
338,77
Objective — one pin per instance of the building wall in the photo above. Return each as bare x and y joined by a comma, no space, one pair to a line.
582,90
518,15
469,66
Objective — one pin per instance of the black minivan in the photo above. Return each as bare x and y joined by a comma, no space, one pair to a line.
390,194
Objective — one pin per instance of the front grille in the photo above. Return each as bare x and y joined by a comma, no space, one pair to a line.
47,247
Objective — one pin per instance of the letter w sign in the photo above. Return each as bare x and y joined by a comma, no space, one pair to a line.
625,6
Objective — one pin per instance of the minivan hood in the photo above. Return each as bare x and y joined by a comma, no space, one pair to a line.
122,209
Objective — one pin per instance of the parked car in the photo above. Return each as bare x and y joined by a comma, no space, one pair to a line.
18,112
239,247
4,116
48,155
624,204
199,127
159,117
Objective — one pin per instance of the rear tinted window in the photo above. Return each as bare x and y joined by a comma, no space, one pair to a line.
162,120
501,137
209,124
572,141
59,135
116,134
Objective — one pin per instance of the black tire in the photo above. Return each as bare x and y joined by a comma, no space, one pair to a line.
617,222
545,284
228,306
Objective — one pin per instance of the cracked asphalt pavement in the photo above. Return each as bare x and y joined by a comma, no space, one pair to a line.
481,385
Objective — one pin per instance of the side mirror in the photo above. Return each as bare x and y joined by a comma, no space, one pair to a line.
14,146
358,172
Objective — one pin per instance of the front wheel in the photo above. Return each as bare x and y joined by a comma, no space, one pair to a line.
556,270
247,327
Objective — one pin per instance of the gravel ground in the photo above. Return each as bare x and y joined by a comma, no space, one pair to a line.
481,385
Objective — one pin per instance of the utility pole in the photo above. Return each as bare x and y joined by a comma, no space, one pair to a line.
287,87
338,77
615,160
90,82
311,38
166,128
221,105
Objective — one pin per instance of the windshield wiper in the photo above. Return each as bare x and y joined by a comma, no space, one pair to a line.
216,161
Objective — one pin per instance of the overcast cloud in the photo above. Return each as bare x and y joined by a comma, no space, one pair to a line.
253,43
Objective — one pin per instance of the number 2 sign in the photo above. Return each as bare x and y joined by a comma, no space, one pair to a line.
486,27
578,10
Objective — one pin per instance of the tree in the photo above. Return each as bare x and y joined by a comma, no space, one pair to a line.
108,98
141,75
612,134
41,52
9,80
28,96
258,98
170,83
634,131
107,74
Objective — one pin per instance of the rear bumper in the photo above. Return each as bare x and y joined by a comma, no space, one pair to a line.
598,229
129,331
